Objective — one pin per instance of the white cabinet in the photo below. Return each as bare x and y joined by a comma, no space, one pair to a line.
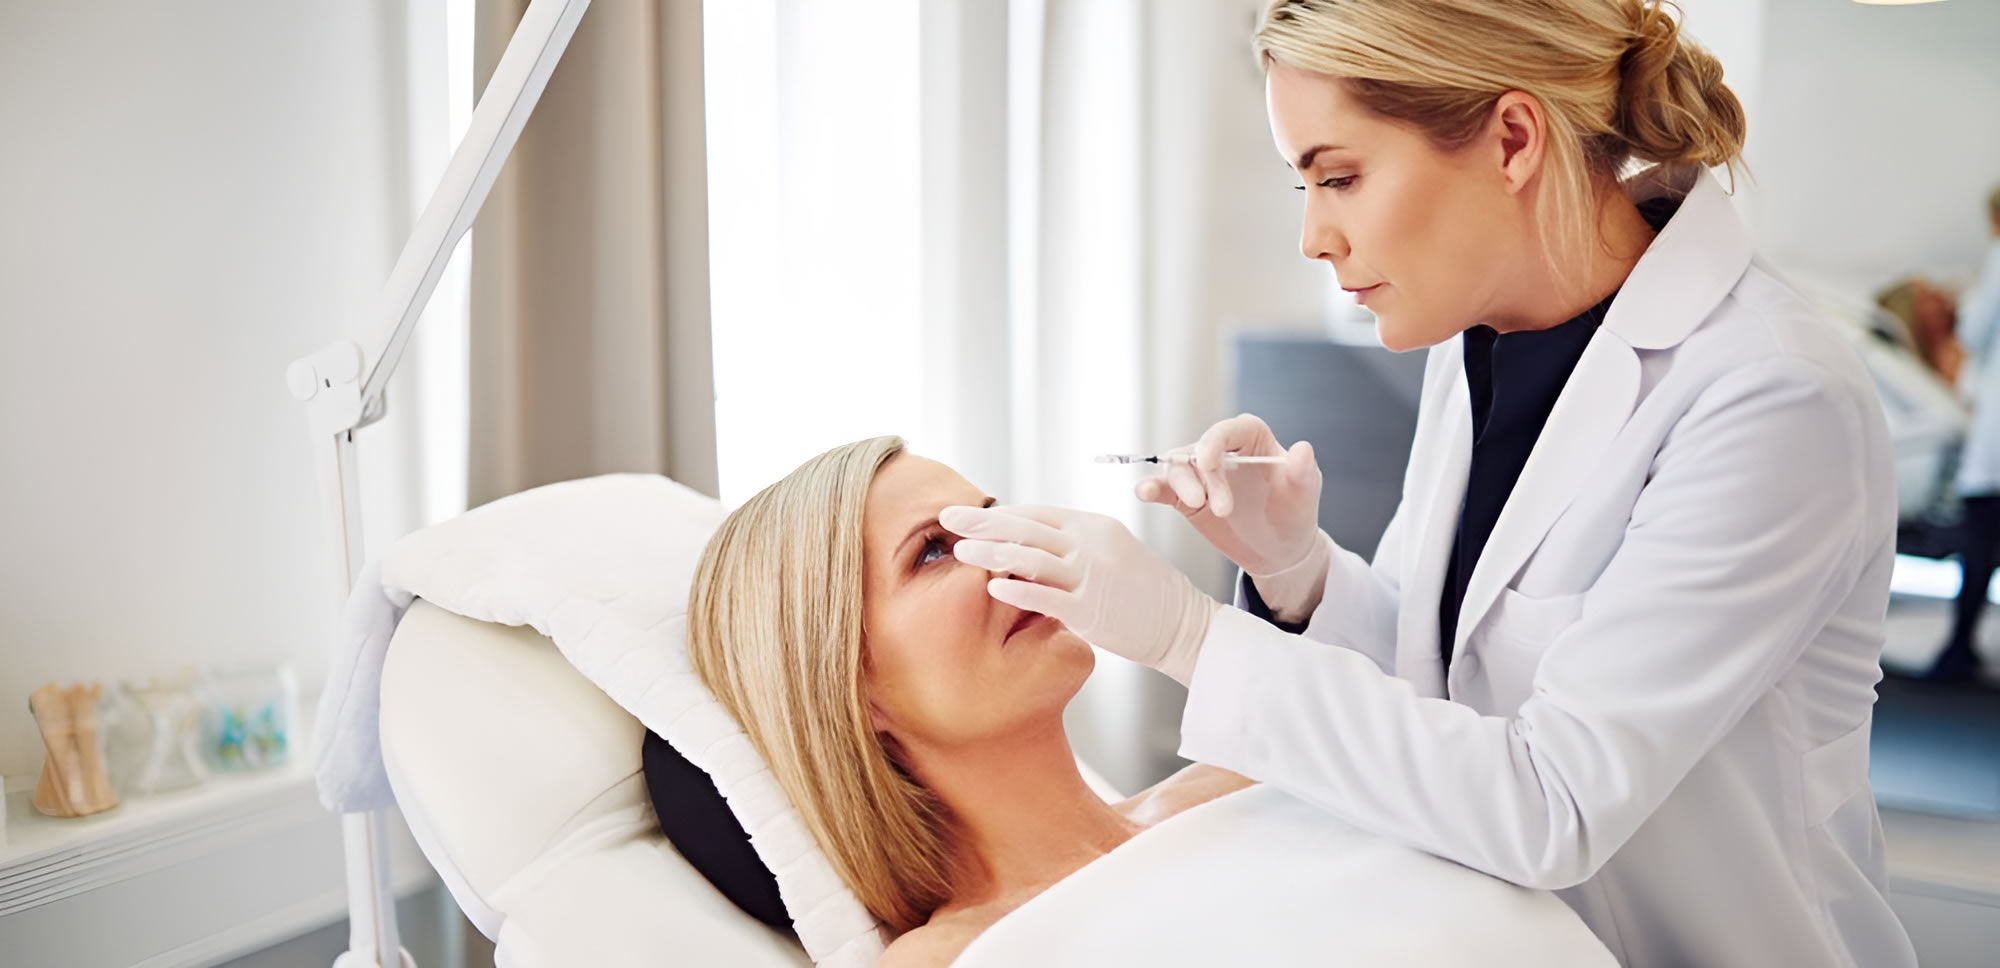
186,879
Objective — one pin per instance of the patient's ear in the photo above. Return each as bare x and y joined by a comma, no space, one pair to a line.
878,720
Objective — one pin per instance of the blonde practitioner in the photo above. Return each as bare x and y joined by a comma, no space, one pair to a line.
1620,638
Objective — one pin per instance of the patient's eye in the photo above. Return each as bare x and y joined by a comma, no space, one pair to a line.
934,542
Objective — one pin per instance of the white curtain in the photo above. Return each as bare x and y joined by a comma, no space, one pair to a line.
414,459
1017,232
1149,217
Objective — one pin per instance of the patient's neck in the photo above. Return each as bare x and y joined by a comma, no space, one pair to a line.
1024,815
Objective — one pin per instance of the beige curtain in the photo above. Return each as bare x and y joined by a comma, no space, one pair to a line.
589,303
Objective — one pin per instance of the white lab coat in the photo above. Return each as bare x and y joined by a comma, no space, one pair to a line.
1661,688
1978,327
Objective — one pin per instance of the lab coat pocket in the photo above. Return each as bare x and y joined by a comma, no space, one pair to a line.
1510,643
1843,833
1528,622
1834,773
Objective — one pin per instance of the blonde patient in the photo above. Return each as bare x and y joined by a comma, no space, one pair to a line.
914,722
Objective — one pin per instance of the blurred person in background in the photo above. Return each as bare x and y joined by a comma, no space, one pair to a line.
1928,314
1979,467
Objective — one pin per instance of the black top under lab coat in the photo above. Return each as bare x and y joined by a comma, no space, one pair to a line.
1514,379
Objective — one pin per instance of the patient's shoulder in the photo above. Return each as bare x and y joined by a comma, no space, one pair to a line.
919,948
1189,788
934,944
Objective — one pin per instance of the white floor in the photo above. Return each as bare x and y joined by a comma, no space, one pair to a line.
432,932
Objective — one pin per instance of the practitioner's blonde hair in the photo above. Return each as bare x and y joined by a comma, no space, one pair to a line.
775,631
1617,81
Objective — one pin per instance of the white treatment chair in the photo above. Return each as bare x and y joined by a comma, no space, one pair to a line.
521,782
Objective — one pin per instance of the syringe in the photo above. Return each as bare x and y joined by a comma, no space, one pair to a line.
1228,460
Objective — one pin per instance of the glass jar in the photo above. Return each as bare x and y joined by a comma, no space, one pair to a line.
247,715
154,737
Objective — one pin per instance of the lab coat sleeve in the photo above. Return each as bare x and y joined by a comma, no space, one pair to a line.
1357,609
1737,552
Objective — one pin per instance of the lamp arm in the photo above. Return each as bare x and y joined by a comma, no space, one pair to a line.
509,98
342,386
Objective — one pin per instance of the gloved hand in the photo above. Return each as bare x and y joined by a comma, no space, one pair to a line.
1090,573
1265,518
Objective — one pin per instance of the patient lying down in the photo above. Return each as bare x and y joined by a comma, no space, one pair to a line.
915,722
916,725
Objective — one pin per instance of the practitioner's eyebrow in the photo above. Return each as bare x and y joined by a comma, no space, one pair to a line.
1306,158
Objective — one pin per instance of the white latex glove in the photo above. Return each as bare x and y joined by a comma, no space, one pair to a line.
1265,518
1090,573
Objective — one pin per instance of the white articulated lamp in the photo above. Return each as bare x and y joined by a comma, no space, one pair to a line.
342,386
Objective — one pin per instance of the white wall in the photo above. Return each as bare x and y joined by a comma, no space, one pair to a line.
194,194
1733,30
1876,137
1874,132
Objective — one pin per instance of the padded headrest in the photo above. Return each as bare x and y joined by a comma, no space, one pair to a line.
521,782
602,567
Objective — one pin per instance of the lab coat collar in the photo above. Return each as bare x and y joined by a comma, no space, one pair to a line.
1684,275
1692,264
1444,469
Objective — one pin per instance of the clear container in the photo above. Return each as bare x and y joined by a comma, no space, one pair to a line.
247,715
154,736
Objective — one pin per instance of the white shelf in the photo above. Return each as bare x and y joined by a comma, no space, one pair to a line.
32,837
188,878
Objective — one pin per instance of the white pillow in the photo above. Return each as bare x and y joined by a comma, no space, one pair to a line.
602,566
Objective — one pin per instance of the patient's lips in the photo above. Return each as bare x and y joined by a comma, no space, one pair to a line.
1023,621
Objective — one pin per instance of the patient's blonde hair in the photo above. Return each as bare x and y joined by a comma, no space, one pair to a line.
775,631
1617,82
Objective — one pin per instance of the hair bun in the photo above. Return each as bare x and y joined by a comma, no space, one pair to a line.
1673,106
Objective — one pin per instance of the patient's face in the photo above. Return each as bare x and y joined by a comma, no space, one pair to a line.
1934,310
947,665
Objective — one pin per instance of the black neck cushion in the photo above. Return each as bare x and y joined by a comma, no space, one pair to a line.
696,818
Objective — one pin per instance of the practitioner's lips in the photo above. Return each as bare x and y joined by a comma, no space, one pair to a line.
1361,295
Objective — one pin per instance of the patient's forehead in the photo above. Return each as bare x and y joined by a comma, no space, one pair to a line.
908,491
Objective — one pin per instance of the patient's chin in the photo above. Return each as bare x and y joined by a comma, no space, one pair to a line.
1064,638
1075,656
1045,633
1048,664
